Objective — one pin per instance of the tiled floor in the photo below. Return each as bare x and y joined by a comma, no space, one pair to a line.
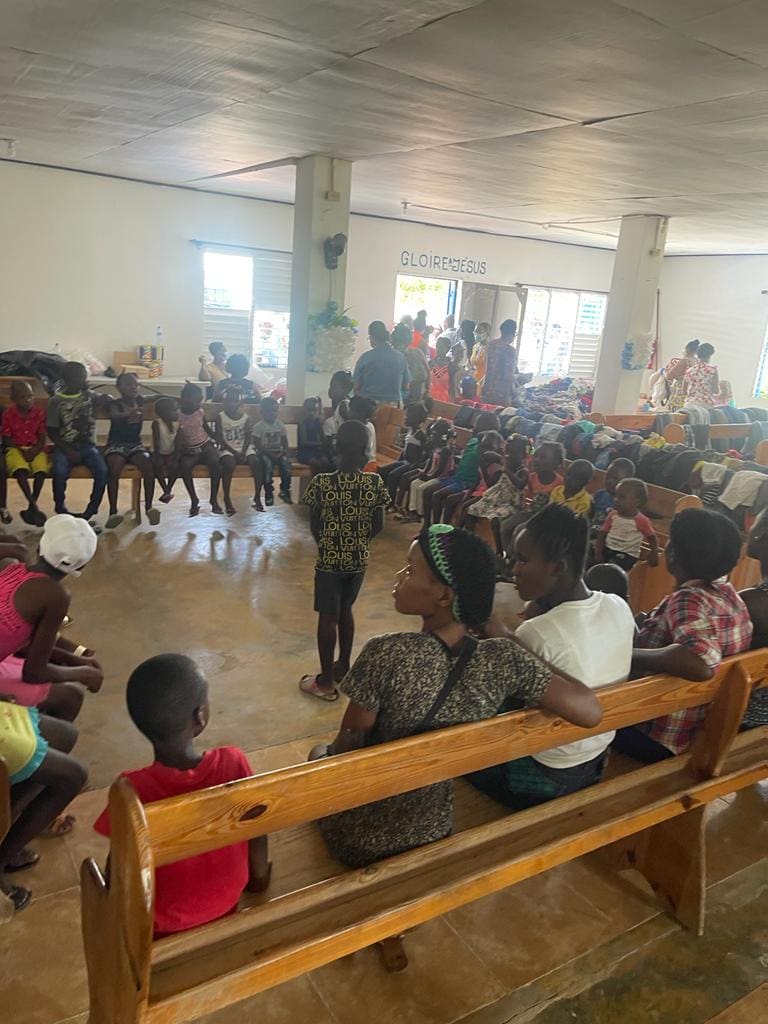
237,595
752,1009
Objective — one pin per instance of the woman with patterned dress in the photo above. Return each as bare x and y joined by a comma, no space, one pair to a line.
673,373
397,688
701,383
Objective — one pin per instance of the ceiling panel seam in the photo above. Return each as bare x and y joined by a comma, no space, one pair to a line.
679,31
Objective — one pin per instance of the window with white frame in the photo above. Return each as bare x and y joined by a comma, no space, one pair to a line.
247,301
561,333
761,381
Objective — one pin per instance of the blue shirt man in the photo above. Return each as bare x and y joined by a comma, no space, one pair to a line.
382,373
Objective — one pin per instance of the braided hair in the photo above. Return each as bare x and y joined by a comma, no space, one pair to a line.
467,565
560,535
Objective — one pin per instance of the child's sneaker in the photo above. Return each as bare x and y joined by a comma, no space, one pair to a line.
286,497
269,499
5,516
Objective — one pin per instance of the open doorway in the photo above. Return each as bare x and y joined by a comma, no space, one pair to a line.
492,303
435,294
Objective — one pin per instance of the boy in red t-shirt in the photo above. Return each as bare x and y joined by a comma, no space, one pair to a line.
167,699
24,437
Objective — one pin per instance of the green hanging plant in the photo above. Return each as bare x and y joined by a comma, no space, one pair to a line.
331,339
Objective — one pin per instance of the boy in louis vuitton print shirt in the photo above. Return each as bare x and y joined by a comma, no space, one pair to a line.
346,512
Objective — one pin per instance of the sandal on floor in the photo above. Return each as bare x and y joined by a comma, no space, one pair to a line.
59,827
12,901
25,860
308,685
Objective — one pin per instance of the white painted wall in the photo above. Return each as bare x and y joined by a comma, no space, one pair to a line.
380,248
718,299
98,263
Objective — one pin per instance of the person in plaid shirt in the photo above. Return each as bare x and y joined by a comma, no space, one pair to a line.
701,622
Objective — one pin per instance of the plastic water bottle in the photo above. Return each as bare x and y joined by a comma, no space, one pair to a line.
158,335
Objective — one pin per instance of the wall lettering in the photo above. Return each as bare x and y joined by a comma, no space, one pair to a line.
448,264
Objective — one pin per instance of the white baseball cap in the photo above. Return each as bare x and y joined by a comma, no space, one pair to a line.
68,544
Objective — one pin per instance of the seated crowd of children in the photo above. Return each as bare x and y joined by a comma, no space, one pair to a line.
544,523
501,481
38,445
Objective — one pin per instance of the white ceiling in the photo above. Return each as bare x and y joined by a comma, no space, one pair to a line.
542,118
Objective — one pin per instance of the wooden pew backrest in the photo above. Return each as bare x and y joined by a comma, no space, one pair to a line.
135,981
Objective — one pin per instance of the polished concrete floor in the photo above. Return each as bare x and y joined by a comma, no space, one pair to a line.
575,944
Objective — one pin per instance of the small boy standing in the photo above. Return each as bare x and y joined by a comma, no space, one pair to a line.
364,409
347,511
573,491
72,429
167,699
625,528
165,457
232,430
271,440
24,435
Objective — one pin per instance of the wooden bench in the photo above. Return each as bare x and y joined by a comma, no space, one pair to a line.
624,421
652,817
288,414
674,433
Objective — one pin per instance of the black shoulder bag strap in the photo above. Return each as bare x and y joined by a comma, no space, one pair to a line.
467,650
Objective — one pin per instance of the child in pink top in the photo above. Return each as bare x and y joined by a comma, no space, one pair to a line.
196,447
37,669
544,477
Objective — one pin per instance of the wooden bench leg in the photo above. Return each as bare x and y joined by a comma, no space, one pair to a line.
136,499
393,953
674,862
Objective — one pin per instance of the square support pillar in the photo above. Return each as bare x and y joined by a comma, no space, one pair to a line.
629,316
321,210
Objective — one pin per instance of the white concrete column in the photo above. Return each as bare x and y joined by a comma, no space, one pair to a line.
321,210
630,315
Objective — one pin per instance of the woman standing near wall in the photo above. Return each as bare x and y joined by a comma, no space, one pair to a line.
701,383
673,373
480,352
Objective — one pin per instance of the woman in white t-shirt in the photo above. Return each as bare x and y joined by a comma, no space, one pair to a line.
580,633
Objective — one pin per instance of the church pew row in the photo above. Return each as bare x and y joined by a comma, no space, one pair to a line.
650,818
650,584
674,433
288,414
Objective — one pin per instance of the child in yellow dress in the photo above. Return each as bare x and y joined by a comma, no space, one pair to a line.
25,455
572,492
